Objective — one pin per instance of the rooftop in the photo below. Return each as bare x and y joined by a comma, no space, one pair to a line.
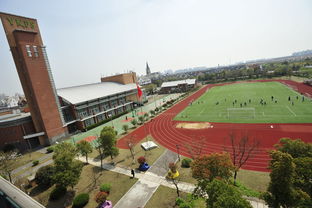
178,82
12,117
83,93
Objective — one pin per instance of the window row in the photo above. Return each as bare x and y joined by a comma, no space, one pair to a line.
29,52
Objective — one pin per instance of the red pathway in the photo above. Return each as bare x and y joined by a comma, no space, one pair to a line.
162,128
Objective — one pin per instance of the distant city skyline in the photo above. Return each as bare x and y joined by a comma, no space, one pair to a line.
88,40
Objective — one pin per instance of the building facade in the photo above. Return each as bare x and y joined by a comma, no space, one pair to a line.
177,86
32,64
86,105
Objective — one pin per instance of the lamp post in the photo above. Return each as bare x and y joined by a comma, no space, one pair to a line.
178,150
111,116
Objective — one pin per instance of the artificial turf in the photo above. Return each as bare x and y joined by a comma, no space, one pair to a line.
218,105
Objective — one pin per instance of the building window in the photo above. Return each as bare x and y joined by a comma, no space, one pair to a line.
95,110
36,53
28,50
89,122
82,113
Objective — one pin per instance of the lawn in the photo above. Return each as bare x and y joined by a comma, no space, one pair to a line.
124,159
257,181
90,180
218,105
165,197
26,158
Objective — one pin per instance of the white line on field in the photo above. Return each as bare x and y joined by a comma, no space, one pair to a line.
291,111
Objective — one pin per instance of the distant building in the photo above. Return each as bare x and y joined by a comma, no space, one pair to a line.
177,86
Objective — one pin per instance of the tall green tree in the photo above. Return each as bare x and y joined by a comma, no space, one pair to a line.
67,169
281,191
296,148
84,148
222,195
302,154
215,165
107,142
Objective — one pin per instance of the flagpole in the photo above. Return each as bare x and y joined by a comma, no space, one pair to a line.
138,97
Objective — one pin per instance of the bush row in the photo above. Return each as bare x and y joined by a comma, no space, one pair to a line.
106,120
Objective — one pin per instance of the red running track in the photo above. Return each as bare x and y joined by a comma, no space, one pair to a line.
162,128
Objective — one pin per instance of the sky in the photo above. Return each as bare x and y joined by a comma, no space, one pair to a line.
89,39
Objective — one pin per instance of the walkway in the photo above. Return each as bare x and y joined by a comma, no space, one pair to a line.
47,158
140,193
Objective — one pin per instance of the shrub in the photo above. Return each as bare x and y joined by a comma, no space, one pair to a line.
35,162
105,188
134,122
81,200
57,193
141,160
179,201
141,119
44,175
125,127
101,197
50,149
186,162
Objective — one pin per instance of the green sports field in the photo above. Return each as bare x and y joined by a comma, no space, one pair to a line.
218,105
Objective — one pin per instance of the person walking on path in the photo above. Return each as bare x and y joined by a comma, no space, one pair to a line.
132,173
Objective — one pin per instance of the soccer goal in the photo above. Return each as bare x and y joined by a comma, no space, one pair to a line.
234,113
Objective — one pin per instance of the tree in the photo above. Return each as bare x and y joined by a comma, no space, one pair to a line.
152,112
84,148
150,88
281,191
296,148
195,147
222,195
175,181
125,127
44,176
131,144
215,165
107,141
7,160
146,116
67,169
302,154
134,122
303,174
141,119
241,151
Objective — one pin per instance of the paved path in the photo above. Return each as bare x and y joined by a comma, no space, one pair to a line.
139,194
28,165
144,188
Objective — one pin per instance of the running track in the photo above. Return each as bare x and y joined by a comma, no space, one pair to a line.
162,128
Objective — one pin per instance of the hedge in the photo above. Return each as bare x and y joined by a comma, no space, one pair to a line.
81,200
105,188
186,162
105,121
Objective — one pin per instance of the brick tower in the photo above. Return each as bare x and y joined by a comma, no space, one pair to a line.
34,71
